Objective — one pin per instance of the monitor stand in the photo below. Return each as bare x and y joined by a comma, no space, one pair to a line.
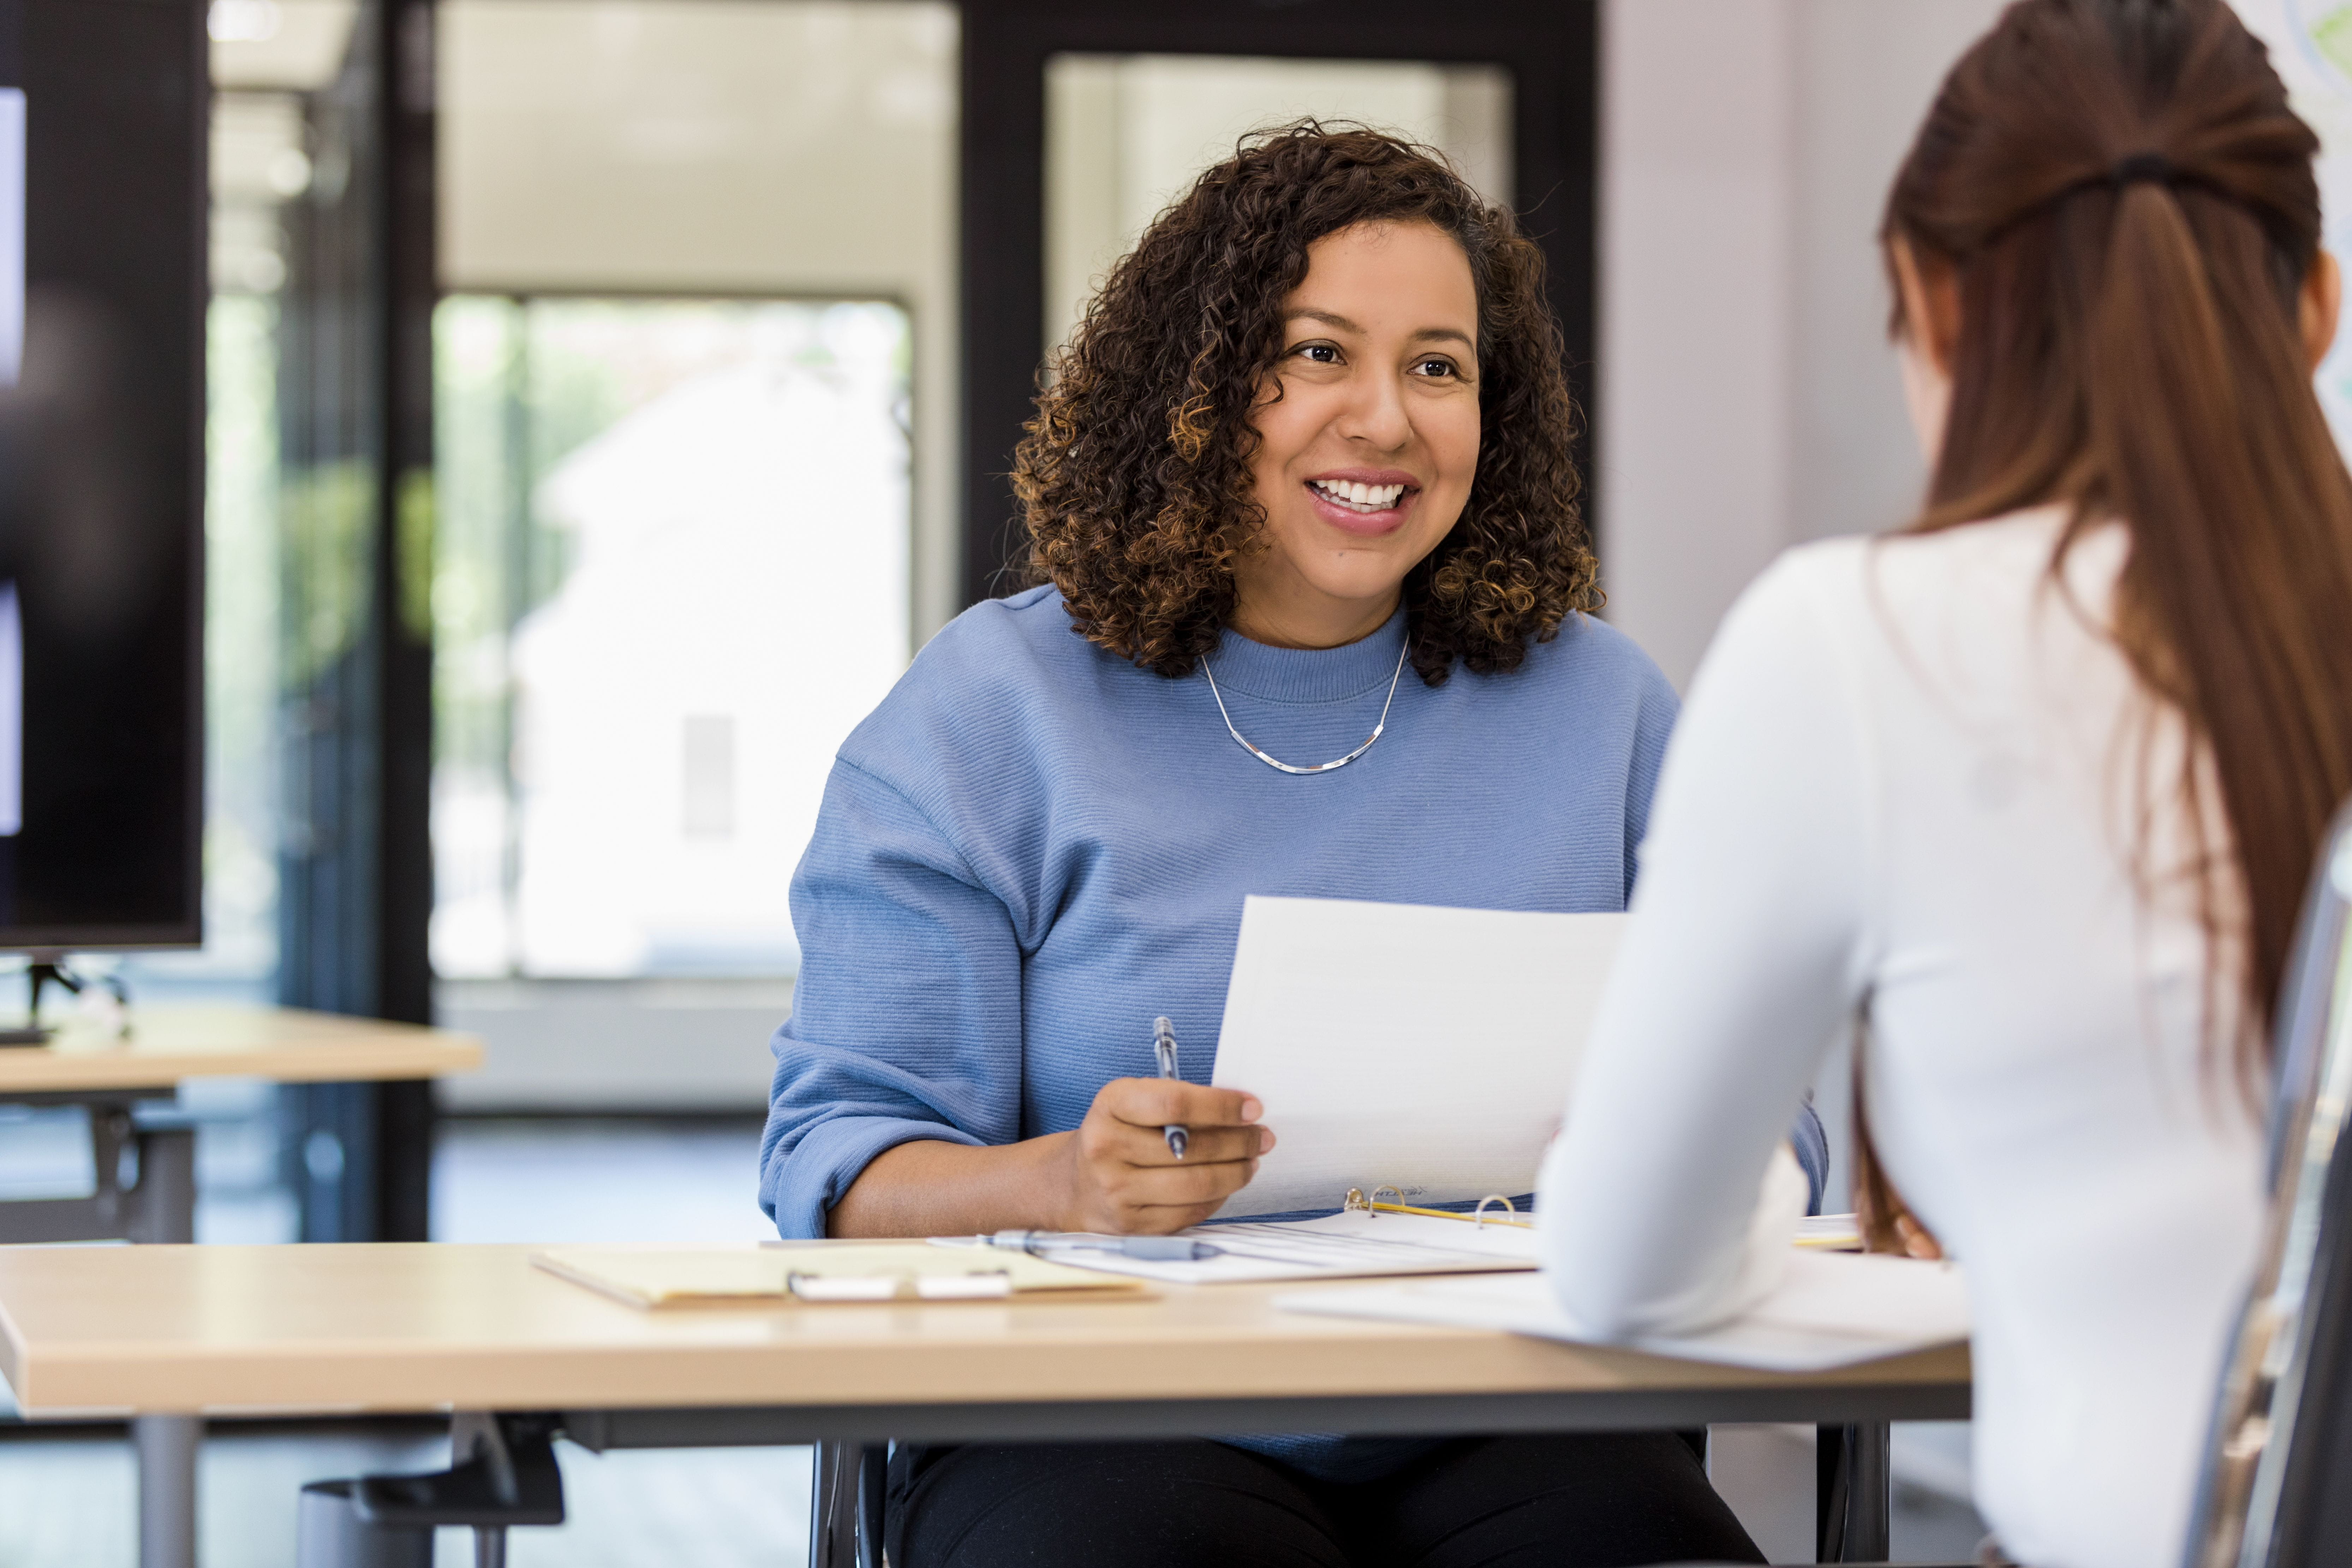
48,969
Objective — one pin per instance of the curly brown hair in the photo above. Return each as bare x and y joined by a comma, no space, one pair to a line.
1135,473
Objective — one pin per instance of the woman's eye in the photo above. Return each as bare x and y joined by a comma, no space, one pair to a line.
1435,367
1318,354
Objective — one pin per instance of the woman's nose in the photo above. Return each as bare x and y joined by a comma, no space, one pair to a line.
1376,414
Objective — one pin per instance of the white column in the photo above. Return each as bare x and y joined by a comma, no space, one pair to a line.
1698,207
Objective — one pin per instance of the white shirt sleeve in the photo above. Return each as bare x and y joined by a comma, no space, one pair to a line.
1743,966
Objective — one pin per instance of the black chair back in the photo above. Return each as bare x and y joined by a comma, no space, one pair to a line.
2274,1492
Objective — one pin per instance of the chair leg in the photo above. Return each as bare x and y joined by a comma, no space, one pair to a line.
873,1479
502,1472
834,1504
328,1533
1856,1492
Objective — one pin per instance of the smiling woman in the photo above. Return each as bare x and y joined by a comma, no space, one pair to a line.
1312,429
1325,308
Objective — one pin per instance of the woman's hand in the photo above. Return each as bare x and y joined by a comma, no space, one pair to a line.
1887,1224
1113,1173
1917,1239
1122,1180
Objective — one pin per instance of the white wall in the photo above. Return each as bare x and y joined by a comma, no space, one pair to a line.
1747,398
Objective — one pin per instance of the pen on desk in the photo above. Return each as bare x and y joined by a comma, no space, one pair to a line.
1146,1249
1163,1047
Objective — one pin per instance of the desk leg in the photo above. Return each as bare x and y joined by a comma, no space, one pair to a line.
1856,1481
167,1488
164,1210
163,1207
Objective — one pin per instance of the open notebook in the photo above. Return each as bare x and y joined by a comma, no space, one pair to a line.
1354,1244
1365,1239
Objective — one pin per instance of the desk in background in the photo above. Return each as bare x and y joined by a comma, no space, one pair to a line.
119,1080
224,1331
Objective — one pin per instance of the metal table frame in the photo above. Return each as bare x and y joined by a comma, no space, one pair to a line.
1416,1415
845,1497
159,1204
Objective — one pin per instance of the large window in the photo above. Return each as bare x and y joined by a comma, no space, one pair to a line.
672,574
695,372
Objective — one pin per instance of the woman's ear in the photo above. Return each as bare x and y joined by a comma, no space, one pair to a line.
1926,345
2323,298
1931,305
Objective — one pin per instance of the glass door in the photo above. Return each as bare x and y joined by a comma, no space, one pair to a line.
1126,134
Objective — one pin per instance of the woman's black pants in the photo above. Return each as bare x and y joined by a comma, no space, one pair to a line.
1587,1501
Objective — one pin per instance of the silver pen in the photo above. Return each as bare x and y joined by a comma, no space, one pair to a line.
1163,1047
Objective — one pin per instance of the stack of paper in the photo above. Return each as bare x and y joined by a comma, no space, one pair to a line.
1831,1310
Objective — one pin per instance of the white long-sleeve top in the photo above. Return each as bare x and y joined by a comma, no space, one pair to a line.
1902,791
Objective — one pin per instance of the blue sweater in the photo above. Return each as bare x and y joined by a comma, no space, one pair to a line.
1032,847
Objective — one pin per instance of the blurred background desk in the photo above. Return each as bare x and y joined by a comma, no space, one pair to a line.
126,1084
87,1065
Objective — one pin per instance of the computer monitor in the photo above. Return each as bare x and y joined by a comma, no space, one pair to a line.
102,297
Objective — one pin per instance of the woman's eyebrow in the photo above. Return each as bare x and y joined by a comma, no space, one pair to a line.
1332,318
1328,319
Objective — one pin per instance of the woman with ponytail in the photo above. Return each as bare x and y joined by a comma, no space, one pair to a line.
2025,797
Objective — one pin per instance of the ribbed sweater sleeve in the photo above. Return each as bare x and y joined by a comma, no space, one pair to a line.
920,1039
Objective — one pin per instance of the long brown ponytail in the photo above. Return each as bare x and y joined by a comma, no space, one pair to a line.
2127,205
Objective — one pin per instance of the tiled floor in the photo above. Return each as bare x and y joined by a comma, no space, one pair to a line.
66,1501
1931,1527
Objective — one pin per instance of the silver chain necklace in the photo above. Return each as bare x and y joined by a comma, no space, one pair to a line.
1280,766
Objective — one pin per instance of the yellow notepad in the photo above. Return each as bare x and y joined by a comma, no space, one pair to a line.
818,1271
1829,1233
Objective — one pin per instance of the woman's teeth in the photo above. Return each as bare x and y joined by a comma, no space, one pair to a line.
1358,497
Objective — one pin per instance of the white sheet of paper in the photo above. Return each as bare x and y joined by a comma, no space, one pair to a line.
1429,1050
1832,1309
